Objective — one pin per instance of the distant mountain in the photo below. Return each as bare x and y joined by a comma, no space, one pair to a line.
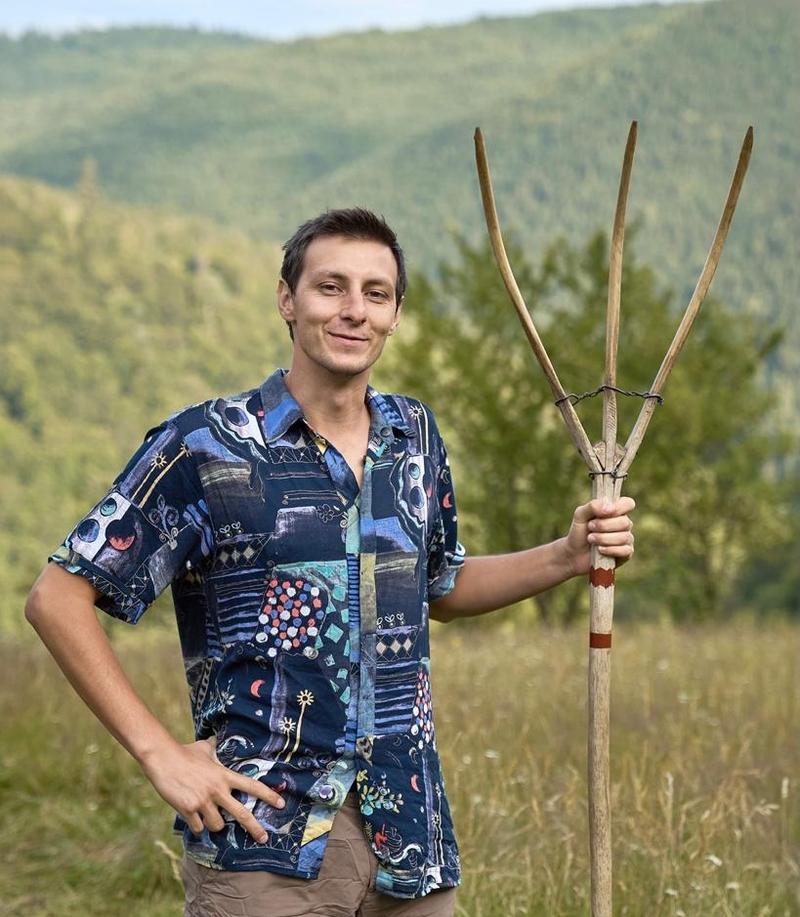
260,134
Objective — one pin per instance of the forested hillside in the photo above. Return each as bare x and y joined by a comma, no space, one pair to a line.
110,319
259,134
113,316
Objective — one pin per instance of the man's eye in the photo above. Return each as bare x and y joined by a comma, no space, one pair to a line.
328,287
378,294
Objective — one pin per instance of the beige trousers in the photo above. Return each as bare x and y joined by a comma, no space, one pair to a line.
345,886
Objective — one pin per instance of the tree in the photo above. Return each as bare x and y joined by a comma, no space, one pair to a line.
707,501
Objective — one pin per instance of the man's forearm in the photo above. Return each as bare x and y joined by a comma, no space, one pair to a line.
188,777
68,626
495,581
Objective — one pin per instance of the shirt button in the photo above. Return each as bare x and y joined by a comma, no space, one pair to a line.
385,431
326,792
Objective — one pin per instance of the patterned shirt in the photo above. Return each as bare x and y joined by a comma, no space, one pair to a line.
302,608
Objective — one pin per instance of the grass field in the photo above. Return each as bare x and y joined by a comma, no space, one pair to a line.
705,777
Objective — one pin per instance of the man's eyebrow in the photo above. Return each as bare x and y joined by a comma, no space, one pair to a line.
379,281
324,272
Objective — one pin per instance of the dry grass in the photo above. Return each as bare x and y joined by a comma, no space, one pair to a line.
705,775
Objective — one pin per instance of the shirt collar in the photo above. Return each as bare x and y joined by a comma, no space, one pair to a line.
281,409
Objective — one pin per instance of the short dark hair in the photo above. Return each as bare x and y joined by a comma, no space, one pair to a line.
354,223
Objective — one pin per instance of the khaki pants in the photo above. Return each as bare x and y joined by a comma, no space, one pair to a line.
345,886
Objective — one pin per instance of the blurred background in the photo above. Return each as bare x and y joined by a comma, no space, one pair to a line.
153,158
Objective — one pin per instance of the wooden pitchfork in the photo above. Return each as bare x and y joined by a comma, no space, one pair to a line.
608,464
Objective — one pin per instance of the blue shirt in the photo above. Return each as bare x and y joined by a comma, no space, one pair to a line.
302,608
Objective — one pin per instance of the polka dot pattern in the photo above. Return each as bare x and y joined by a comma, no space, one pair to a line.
290,616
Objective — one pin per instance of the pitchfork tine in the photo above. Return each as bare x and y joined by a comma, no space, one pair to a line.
612,311
703,283
574,426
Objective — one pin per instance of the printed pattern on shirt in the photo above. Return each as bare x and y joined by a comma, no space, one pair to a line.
302,607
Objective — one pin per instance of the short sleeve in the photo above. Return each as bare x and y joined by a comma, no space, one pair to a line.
152,526
446,554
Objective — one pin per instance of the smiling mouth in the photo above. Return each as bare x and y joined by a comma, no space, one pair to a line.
346,337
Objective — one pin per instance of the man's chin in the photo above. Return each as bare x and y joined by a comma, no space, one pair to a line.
347,368
348,371
340,365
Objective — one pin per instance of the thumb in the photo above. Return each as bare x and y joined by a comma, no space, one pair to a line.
587,511
209,744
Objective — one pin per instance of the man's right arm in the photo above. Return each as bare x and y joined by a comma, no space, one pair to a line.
60,607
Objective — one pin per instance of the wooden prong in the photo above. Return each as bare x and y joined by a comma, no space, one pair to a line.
574,426
501,257
703,283
614,292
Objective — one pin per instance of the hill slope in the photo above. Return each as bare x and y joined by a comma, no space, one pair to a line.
111,318
260,134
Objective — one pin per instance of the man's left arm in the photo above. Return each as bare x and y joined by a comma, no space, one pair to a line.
487,583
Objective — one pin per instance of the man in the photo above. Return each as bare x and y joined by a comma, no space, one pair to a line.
308,530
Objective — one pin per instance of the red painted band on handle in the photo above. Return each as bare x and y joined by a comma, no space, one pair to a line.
599,576
599,641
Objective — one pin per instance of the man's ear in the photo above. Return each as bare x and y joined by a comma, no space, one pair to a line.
285,301
397,311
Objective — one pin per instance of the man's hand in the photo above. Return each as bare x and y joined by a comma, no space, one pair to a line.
606,525
190,778
498,580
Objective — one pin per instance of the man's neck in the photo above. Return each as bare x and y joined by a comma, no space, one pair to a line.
331,404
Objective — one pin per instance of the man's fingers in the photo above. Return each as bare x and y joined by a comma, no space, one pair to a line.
256,788
209,815
212,818
610,539
614,524
603,508
247,820
194,822
613,508
620,551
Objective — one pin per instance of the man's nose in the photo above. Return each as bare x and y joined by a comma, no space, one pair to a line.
354,306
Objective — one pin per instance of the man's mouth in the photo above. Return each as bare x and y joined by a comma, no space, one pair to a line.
346,337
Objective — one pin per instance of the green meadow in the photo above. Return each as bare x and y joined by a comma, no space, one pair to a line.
705,789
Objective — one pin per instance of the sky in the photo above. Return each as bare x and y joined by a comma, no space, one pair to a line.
277,19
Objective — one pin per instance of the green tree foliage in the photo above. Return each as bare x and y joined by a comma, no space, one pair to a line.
704,479
111,318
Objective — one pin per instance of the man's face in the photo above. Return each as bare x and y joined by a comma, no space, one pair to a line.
344,305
